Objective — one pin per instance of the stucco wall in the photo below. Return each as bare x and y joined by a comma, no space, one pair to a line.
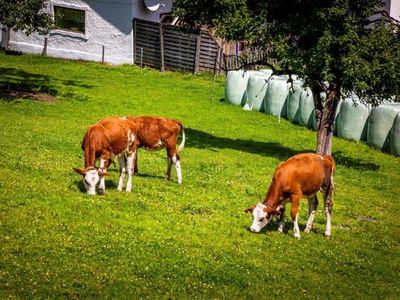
395,9
108,24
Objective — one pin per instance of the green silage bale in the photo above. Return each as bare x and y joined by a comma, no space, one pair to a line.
380,123
276,96
293,101
352,119
306,112
268,72
235,87
395,136
256,90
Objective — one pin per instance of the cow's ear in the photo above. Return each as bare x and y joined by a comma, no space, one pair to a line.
267,210
250,209
80,171
102,173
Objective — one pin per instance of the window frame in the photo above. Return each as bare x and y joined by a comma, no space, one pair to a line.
66,31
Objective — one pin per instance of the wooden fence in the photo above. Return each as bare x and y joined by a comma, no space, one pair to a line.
165,47
254,58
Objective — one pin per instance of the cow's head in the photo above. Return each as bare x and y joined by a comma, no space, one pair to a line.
260,217
91,176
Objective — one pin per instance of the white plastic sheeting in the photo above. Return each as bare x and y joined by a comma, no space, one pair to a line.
293,101
352,119
306,111
276,96
395,136
256,90
380,123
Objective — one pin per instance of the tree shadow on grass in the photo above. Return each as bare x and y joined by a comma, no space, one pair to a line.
353,163
203,140
15,84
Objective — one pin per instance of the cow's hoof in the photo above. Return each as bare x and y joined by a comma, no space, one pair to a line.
297,236
102,191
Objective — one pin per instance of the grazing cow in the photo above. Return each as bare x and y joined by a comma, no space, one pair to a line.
301,175
154,133
121,137
108,138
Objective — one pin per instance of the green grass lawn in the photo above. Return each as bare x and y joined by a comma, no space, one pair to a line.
169,241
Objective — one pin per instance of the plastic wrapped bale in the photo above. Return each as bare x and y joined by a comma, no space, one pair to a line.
380,123
306,112
395,136
268,72
276,96
293,101
235,87
256,90
352,120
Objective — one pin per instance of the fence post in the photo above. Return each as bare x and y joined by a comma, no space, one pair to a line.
134,40
44,52
102,55
197,54
225,64
216,62
141,57
161,48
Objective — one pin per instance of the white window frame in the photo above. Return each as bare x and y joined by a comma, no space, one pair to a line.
68,32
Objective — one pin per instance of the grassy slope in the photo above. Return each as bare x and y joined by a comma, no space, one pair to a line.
165,240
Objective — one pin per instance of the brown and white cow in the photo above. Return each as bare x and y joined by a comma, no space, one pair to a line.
105,140
153,133
302,175
121,137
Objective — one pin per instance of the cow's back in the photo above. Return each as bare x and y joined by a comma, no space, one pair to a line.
309,170
116,134
151,130
108,135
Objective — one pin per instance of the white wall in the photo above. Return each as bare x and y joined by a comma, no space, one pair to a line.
108,24
395,9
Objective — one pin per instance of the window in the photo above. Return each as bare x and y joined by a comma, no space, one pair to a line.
69,19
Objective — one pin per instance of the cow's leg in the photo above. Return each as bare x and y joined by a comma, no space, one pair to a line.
294,213
122,171
281,223
169,166
312,208
103,167
328,203
171,151
130,167
177,163
135,168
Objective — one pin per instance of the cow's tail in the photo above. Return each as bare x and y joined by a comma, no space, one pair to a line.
182,144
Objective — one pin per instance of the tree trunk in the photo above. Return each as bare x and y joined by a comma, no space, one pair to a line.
5,38
325,114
